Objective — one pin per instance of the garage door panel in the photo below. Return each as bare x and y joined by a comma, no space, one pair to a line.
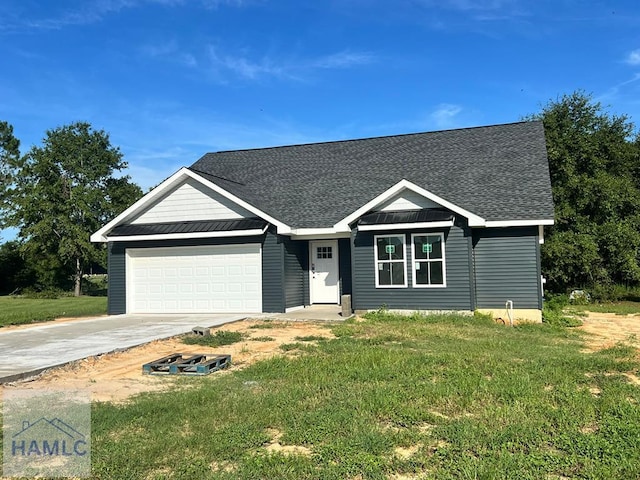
202,272
195,279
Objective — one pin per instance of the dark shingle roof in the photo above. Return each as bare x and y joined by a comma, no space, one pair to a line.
188,227
406,216
497,172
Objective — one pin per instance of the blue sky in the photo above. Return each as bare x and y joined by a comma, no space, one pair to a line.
173,79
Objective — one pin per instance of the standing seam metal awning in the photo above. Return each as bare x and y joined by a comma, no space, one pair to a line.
406,219
248,226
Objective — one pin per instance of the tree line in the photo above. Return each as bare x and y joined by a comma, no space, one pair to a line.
58,193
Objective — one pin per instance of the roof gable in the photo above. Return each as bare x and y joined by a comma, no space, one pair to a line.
183,176
406,200
190,201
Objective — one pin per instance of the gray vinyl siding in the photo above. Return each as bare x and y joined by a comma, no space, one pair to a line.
507,267
344,257
272,274
117,295
456,295
296,261
272,268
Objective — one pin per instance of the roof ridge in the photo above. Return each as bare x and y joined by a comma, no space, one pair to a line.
216,176
477,127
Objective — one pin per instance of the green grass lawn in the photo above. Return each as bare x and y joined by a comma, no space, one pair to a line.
19,310
444,397
619,308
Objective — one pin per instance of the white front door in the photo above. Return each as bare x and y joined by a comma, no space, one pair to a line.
324,271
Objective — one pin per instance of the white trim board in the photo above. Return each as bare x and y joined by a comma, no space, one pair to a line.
405,226
518,223
180,236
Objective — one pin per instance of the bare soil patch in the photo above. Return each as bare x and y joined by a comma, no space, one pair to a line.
607,329
117,376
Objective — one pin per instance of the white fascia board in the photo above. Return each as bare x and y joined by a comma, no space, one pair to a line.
518,223
182,174
182,236
404,226
318,234
474,220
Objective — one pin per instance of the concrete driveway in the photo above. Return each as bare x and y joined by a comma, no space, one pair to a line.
27,351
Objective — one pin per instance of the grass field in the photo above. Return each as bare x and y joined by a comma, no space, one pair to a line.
19,310
392,397
619,308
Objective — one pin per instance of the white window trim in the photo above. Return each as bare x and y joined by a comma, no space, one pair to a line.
414,260
404,259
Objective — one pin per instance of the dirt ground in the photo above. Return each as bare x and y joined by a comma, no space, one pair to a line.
606,329
117,376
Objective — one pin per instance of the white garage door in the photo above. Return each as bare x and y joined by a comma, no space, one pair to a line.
208,279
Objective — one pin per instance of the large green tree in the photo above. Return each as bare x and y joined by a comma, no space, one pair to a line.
61,192
594,161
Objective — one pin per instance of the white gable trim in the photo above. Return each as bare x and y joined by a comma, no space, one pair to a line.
405,226
474,220
166,186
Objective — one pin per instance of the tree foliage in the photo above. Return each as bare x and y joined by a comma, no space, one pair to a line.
61,192
15,272
594,162
9,157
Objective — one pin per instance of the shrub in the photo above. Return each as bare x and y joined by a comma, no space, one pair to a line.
615,293
47,293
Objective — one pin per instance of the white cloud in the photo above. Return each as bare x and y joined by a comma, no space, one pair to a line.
170,51
343,59
633,58
245,67
618,89
483,5
93,11
445,114
295,69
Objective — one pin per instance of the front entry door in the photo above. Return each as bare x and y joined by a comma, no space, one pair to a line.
324,271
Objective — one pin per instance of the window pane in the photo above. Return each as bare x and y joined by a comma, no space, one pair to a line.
397,273
384,275
390,248
382,242
436,246
398,243
436,273
422,274
418,248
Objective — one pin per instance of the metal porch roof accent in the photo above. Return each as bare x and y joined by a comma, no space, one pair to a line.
188,227
425,215
499,173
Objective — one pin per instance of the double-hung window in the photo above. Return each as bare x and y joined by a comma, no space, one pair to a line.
428,260
391,261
